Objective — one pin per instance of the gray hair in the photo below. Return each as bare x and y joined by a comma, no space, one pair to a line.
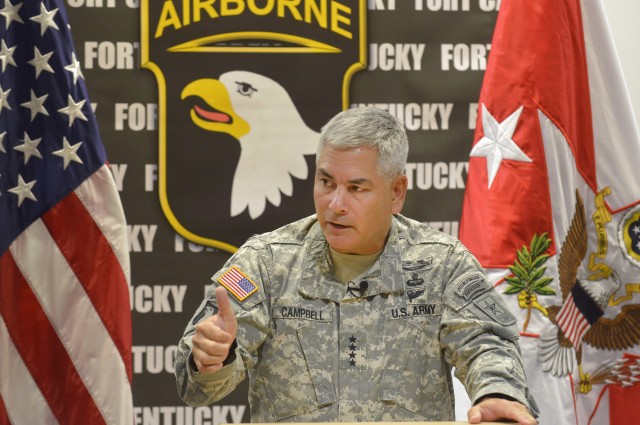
368,126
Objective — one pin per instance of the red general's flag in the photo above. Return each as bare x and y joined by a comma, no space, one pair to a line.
552,208
65,320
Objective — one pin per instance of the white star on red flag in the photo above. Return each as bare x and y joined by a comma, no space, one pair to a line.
497,143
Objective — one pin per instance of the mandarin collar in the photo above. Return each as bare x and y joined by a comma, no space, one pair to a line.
317,279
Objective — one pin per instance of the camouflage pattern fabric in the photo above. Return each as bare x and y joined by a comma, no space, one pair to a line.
315,351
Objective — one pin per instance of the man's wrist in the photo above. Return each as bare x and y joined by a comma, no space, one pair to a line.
231,357
495,395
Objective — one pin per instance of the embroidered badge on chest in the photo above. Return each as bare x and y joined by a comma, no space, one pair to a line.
412,266
415,284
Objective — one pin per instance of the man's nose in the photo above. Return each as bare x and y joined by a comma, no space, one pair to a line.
338,203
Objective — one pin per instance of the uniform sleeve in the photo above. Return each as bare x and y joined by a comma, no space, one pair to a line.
245,275
479,334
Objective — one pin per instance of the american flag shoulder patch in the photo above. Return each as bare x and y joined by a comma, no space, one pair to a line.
237,283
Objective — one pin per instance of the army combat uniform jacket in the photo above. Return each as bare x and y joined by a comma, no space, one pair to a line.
315,351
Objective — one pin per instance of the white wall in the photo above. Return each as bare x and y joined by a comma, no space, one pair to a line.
623,18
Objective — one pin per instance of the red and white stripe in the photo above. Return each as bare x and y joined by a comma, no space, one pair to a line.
572,322
65,318
231,280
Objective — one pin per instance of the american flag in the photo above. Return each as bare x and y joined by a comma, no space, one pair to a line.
237,283
572,322
65,319
577,315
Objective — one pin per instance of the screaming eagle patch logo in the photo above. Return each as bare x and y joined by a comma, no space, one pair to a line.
244,88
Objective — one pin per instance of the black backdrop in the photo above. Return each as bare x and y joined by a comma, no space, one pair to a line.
426,63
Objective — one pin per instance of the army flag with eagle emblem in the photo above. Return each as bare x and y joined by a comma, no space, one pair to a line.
552,206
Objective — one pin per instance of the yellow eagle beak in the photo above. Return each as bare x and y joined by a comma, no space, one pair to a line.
215,112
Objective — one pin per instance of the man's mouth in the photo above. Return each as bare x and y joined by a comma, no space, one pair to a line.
338,225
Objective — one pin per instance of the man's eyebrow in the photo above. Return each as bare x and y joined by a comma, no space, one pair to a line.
360,180
324,173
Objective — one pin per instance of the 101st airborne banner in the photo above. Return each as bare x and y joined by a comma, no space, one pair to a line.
244,88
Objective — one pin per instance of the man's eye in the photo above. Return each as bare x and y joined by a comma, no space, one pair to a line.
245,89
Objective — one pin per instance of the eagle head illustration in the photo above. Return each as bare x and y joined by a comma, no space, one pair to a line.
273,137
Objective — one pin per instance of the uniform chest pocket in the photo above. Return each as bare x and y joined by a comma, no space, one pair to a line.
415,372
296,368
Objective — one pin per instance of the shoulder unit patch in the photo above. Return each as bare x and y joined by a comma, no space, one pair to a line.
470,286
491,305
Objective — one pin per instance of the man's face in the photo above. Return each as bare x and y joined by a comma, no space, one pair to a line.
353,202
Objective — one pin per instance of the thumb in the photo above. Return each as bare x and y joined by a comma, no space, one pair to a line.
224,305
474,415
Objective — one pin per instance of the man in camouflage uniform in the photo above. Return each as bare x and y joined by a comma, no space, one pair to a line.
356,313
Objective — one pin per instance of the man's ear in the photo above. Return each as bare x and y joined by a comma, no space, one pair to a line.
399,193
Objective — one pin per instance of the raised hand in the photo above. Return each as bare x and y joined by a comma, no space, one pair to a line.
214,336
